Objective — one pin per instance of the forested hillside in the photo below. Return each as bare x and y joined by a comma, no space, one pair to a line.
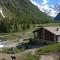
20,12
57,17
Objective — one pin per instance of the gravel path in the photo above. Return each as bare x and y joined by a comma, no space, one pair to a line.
20,55
49,57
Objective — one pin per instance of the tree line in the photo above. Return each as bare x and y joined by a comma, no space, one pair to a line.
7,25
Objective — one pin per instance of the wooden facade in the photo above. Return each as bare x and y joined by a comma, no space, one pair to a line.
43,35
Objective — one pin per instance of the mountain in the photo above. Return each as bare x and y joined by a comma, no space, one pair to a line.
19,14
57,17
21,10
46,6
57,7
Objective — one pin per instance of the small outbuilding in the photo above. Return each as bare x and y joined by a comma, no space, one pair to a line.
47,34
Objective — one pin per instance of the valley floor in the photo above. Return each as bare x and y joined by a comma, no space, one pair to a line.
22,56
15,37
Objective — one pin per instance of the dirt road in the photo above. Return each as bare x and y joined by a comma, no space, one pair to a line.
8,56
21,55
49,57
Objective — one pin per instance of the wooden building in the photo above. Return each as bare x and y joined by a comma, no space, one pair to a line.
47,34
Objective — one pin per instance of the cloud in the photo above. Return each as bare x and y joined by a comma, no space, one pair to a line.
52,12
59,3
45,4
52,6
45,1
45,7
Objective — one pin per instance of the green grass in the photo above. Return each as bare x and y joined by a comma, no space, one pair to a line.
10,36
29,56
49,49
48,24
15,35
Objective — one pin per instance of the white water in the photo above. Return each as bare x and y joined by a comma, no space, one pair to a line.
2,12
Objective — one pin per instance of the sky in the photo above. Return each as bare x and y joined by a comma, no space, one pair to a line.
50,2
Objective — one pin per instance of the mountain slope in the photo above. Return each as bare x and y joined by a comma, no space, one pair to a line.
48,7
57,17
22,10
